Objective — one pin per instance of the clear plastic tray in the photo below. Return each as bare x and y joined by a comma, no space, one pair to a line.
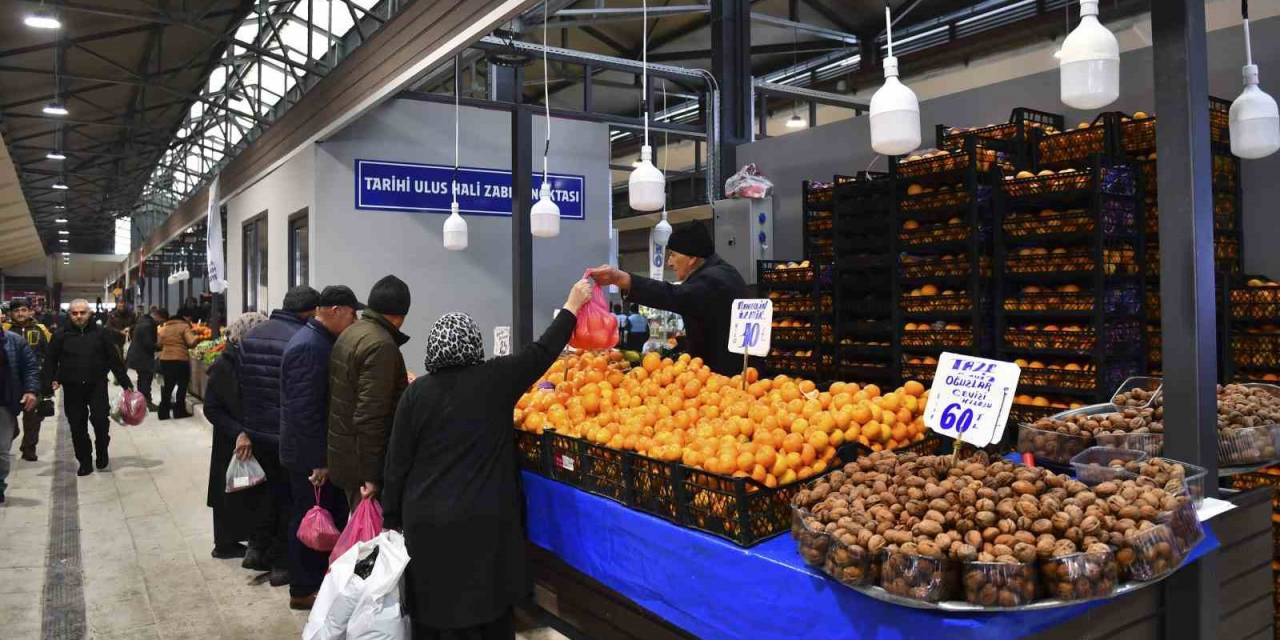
1092,466
919,577
1080,576
1251,445
851,564
1192,479
1150,554
811,540
1186,528
1000,584
1145,383
1051,446
1150,444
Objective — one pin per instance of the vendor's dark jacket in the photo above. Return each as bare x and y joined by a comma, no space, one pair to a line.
79,355
705,301
451,483
142,345
366,378
304,398
21,371
261,351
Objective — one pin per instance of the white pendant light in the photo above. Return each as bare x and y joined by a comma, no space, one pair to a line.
455,228
1255,120
647,187
544,217
796,122
1089,62
895,110
662,231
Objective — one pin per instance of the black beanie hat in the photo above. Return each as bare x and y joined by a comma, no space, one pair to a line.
389,296
301,299
692,240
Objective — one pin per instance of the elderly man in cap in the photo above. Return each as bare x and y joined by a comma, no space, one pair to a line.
304,411
261,355
709,285
37,336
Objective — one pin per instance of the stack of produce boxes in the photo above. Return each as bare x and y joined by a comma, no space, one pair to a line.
863,279
797,291
1251,322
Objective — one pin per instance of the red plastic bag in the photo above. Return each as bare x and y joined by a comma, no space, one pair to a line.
365,524
597,328
317,530
132,408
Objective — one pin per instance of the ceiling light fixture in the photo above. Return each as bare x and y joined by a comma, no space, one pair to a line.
59,185
647,187
544,217
42,19
455,228
55,155
662,230
60,220
1089,62
62,240
1254,117
63,232
59,207
895,109
796,122
55,108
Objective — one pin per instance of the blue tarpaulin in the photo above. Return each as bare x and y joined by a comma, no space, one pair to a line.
714,589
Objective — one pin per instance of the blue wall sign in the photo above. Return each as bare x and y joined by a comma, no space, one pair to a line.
406,186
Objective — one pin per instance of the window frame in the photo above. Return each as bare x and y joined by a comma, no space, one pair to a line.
299,219
254,259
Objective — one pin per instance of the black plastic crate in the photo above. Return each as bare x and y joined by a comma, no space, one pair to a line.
529,452
591,467
1018,129
739,509
655,487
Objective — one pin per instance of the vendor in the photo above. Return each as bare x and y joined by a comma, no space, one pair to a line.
709,285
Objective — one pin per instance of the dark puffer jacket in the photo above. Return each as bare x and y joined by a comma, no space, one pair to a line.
261,351
304,398
21,371
366,378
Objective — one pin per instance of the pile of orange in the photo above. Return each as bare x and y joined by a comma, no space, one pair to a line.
774,430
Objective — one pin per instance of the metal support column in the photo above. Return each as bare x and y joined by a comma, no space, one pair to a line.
521,237
1187,284
731,66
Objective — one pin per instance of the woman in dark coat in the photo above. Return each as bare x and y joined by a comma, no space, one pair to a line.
222,410
451,477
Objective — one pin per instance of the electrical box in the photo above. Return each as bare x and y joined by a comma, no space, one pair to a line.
744,233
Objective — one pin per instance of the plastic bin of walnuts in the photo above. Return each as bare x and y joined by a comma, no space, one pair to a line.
977,534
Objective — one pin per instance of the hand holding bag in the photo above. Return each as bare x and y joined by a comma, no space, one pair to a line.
317,530
244,474
597,328
363,525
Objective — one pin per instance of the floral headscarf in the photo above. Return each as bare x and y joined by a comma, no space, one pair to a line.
243,324
455,341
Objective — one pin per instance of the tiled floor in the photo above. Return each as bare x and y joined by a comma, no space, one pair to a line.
145,537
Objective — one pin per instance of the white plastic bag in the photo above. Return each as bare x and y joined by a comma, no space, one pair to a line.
349,607
244,474
748,182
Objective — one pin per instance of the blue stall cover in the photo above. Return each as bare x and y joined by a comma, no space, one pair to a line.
714,589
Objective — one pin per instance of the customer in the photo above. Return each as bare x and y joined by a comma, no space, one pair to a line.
637,329
118,323
19,381
304,409
451,480
80,355
366,378
173,340
232,521
261,351
141,356
37,337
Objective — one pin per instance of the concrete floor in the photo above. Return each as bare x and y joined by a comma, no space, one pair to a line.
145,537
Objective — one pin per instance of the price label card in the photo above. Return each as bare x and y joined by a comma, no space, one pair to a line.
971,397
751,326
501,341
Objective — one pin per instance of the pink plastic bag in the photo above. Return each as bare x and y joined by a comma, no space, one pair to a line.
317,530
365,524
132,407
597,328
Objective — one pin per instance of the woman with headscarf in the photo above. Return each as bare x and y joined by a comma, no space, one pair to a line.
451,478
222,409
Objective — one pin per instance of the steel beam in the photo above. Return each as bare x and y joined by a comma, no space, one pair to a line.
731,66
821,32
810,95
1187,318
807,46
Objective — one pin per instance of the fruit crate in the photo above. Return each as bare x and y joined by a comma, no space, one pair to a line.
863,369
1106,378
945,266
1255,303
933,201
1121,299
529,452
942,162
780,272
934,233
818,195
1118,217
655,487
1029,413
740,510
918,371
1120,336
807,335
1022,121
940,303
1256,350
1118,180
926,446
1073,145
938,338
591,467
1117,261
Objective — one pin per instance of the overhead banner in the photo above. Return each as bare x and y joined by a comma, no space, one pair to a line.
406,186
213,240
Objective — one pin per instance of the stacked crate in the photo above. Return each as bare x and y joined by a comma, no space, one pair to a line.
1250,324
801,297
863,279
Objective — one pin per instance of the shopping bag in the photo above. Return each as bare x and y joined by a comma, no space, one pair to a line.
363,525
336,601
317,530
378,615
748,182
243,474
132,407
597,327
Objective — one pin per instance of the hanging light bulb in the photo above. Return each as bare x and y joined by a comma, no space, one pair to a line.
662,231
544,217
796,122
1254,118
1089,62
42,19
895,110
647,187
455,228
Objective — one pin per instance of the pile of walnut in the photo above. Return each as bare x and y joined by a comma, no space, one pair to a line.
910,523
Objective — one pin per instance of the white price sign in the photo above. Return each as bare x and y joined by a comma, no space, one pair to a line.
501,341
751,326
971,397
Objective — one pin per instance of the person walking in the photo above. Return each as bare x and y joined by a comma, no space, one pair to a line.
19,382
366,377
141,356
173,339
637,330
261,351
451,480
304,409
37,337
80,355
232,518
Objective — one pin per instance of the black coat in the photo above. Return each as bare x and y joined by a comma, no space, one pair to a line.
304,399
261,351
237,512
142,345
451,482
83,354
705,301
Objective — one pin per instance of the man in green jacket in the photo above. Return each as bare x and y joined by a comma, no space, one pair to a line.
366,377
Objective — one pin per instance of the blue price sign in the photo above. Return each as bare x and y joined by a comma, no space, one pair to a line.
751,326
971,398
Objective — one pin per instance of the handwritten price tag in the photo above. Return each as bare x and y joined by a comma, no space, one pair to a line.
751,326
971,398
501,341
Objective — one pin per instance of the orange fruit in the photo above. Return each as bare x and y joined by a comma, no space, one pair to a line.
913,388
793,443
